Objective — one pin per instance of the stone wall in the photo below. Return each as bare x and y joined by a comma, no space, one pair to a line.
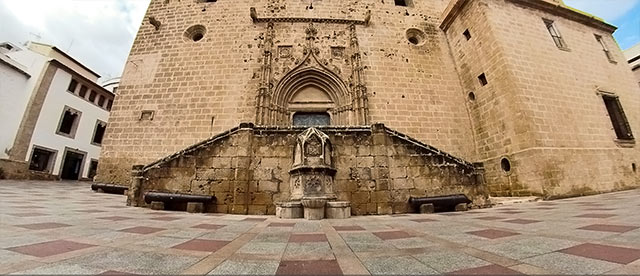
247,170
199,89
10,169
540,111
541,108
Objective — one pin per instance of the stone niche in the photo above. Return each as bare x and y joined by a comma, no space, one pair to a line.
311,180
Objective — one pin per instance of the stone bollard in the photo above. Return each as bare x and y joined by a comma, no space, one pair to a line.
157,205
137,174
314,208
195,207
461,207
427,208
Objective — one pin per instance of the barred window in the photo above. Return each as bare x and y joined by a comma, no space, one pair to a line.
605,48
555,34
618,119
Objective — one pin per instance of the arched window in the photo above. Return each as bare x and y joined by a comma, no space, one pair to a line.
311,119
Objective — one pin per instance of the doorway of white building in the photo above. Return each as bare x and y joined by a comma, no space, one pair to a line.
72,164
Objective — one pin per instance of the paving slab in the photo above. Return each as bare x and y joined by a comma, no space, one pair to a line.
82,232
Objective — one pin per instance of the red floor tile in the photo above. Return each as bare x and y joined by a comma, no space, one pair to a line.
208,226
254,219
202,245
309,268
51,248
522,221
490,218
142,230
511,212
450,214
423,220
492,233
308,238
609,228
115,218
281,224
45,225
595,216
91,211
615,254
348,228
392,235
215,214
487,270
600,209
165,218
24,215
115,273
28,207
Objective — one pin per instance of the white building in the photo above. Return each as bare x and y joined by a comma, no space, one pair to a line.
53,114
111,85
633,57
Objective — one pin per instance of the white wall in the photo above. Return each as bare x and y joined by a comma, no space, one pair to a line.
45,131
13,102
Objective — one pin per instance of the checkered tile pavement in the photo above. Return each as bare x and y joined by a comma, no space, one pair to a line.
64,228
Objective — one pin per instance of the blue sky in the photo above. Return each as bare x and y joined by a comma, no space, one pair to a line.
624,14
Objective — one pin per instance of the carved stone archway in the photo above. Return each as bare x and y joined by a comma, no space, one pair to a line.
311,86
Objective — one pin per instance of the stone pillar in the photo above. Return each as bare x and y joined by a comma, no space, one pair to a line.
137,176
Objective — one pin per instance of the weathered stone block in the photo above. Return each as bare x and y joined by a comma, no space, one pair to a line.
195,207
156,205
384,208
268,186
257,209
427,208
462,207
262,198
381,196
360,197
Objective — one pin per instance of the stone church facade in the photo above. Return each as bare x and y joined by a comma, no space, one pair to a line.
418,98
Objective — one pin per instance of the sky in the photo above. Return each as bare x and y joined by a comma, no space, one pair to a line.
99,33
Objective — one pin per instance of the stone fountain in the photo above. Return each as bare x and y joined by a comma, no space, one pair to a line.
311,181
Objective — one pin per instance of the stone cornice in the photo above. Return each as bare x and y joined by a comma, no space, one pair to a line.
568,13
346,21
454,9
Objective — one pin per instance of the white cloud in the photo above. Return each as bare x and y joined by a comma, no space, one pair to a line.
609,10
98,33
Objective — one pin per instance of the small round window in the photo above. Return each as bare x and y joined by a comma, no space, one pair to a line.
505,164
472,96
195,33
416,36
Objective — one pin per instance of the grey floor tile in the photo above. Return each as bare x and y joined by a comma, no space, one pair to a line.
448,261
403,265
246,267
571,264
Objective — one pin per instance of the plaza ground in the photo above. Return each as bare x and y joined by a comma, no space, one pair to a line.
65,228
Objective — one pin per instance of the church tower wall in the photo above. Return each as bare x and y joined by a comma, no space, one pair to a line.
176,92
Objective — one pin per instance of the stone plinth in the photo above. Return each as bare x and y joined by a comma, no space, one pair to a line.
289,210
338,210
